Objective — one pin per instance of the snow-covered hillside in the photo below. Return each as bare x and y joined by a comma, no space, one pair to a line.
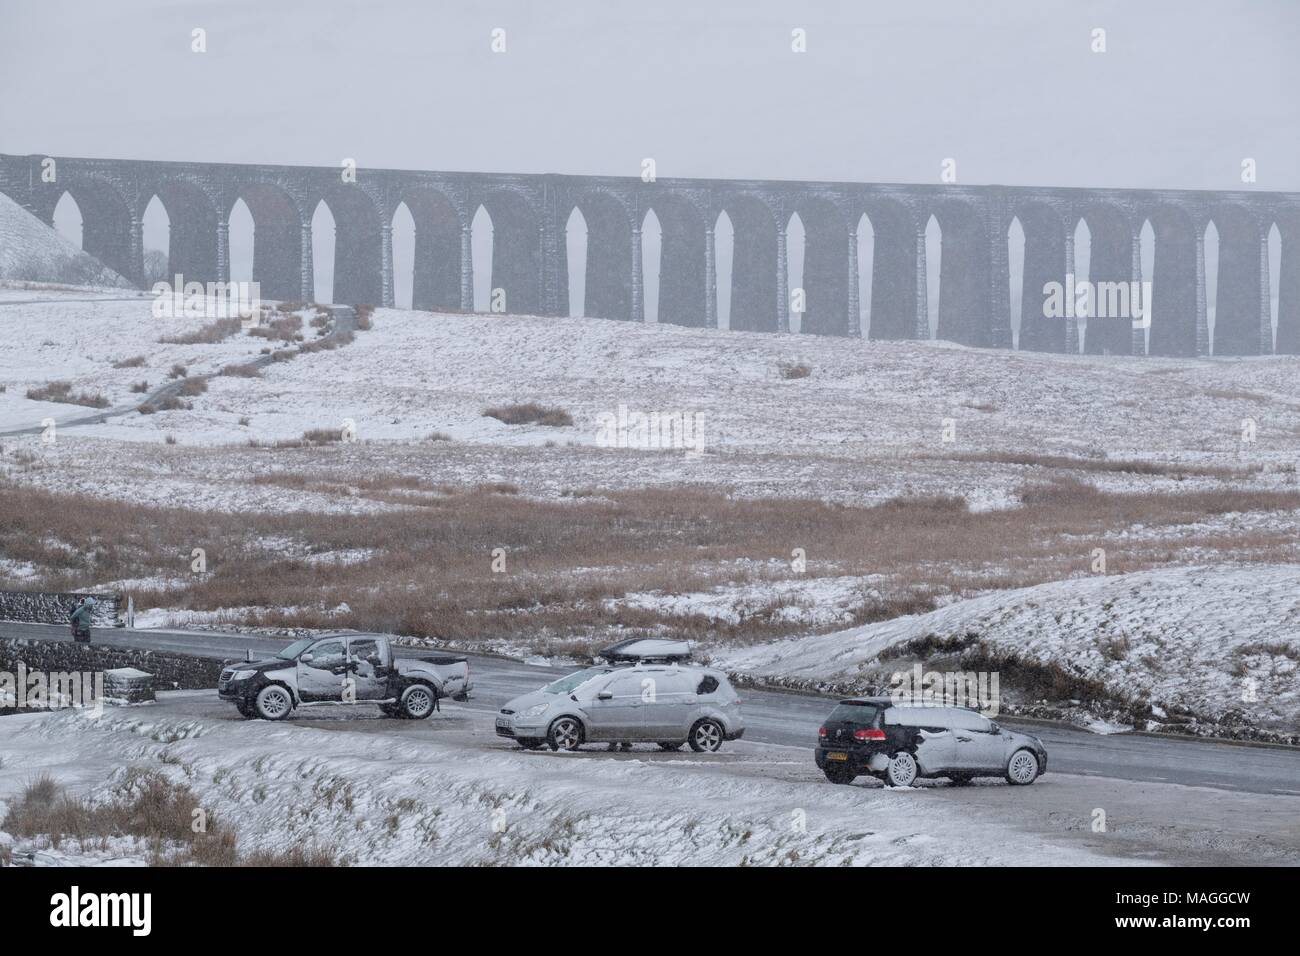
870,420
1206,640
32,251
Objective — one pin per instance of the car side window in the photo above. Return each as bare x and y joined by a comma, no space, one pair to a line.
366,654
707,685
969,720
327,655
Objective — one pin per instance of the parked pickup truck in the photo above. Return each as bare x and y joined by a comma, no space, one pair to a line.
343,668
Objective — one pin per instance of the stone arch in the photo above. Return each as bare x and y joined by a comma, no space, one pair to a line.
443,259
893,269
192,216
1044,230
1287,222
755,305
1110,261
963,274
516,249
358,243
683,258
1239,305
1174,310
610,253
109,230
825,265
277,237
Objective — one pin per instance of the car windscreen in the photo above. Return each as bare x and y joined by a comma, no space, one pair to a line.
566,685
294,649
854,713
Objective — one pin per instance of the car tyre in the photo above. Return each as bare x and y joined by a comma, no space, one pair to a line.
418,701
565,734
705,736
273,702
902,770
668,746
1022,768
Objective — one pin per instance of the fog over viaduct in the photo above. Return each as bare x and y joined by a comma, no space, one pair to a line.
530,213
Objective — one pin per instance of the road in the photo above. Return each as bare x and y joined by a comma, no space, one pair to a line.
792,719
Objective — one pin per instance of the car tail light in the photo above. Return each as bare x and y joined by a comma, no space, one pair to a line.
821,731
868,733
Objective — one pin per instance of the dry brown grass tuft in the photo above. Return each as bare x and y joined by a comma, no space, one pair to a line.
62,392
210,334
529,413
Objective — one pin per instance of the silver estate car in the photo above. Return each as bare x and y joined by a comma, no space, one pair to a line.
667,704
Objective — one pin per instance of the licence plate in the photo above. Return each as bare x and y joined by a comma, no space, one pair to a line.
837,756
503,722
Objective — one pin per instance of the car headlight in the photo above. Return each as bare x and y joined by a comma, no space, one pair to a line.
242,675
535,711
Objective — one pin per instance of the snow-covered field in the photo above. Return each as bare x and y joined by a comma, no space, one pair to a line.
867,423
1211,641
447,793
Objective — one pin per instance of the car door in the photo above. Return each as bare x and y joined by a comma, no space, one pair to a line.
929,728
978,747
321,669
614,710
669,703
366,669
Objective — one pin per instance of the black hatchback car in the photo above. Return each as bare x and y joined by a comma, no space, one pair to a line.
899,743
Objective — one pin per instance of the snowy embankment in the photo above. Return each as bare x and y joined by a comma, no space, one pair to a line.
1221,644
442,795
30,250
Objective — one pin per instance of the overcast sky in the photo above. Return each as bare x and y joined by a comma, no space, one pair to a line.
885,91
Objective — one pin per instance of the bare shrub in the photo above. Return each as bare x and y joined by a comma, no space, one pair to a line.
283,328
790,370
62,392
140,388
529,413
210,334
178,371
135,361
242,370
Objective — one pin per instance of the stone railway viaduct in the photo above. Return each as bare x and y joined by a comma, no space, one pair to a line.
530,213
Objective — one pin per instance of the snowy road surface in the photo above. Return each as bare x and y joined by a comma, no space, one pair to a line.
792,719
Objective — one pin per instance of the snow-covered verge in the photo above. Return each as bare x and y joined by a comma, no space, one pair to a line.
31,250
442,796
1200,649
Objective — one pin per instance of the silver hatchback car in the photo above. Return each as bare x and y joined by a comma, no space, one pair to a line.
667,704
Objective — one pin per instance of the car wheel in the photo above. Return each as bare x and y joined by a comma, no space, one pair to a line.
418,701
1022,768
669,747
706,735
902,770
839,774
273,702
565,734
